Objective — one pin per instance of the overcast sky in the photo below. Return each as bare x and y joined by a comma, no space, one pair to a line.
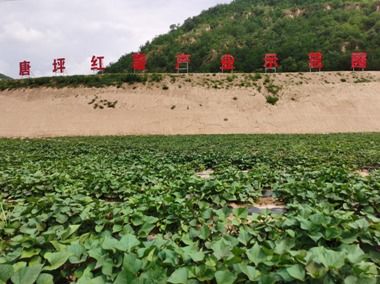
41,30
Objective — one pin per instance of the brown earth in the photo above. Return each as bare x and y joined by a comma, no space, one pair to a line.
199,104
261,203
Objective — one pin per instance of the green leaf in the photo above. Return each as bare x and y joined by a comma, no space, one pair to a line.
70,230
225,277
179,276
169,257
221,248
193,253
96,280
62,218
296,271
107,267
149,223
110,243
366,270
30,253
131,263
244,237
6,271
291,233
351,280
269,278
315,236
155,272
117,228
354,253
125,277
56,259
283,246
146,228
329,258
77,253
128,242
204,232
88,277
361,224
252,273
316,270
45,279
27,274
99,228
240,213
256,255
17,266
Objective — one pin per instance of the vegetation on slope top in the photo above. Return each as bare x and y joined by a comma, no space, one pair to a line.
4,77
97,81
267,84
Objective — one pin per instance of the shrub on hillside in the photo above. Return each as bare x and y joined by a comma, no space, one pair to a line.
272,100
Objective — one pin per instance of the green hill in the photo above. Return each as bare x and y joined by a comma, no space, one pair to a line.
249,28
4,77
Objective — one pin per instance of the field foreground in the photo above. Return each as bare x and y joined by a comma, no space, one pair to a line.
177,209
198,104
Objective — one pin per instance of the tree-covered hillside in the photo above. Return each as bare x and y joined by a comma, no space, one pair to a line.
249,28
4,77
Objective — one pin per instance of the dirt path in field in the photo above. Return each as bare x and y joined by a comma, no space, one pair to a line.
199,104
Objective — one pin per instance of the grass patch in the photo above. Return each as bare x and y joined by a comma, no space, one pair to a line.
272,100
255,77
273,89
155,77
90,81
362,80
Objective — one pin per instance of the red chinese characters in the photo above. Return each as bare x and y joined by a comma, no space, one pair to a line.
59,65
139,62
97,63
359,60
315,61
271,62
227,63
25,68
182,62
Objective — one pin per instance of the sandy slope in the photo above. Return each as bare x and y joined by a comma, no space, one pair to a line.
199,104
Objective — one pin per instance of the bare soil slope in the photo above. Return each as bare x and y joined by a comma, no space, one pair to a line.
199,104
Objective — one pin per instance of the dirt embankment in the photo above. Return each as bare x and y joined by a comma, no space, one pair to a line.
199,104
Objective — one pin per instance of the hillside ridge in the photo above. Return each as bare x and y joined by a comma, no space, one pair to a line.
4,77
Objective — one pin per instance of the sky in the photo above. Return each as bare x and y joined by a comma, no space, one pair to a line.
41,30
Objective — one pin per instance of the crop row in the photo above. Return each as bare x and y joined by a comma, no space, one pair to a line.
134,210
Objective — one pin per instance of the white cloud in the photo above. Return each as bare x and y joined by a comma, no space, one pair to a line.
40,30
18,32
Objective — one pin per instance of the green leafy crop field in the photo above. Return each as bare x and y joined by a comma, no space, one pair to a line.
134,209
